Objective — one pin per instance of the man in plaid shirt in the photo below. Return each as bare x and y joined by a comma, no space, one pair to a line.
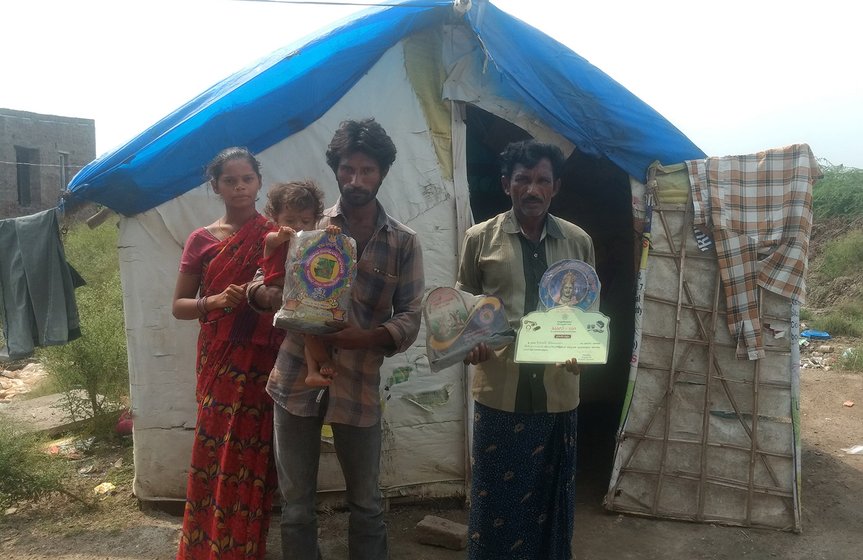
384,320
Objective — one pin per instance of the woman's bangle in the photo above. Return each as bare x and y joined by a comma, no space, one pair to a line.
201,305
252,298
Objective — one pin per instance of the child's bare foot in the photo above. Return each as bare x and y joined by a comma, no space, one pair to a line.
328,370
315,379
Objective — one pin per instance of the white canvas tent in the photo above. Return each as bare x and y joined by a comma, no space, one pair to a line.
452,87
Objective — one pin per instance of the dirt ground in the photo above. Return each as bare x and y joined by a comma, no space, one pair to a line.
832,507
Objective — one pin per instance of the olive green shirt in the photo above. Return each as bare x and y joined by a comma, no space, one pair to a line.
493,263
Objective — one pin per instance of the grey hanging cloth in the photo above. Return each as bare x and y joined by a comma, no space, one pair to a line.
36,288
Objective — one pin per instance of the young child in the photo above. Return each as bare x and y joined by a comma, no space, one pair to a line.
296,206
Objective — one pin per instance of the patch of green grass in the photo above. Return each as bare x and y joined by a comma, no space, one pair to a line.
806,315
844,320
839,193
842,256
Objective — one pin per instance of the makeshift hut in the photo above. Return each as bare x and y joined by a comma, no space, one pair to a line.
452,83
710,429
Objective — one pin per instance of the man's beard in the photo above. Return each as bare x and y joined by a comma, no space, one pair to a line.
358,196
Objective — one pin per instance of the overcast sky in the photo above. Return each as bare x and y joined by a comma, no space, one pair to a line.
735,76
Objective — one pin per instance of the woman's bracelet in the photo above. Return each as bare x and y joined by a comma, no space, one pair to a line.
252,298
201,305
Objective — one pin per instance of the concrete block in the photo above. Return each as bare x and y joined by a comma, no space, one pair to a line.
438,531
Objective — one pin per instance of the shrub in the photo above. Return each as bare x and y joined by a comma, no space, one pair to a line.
839,193
96,363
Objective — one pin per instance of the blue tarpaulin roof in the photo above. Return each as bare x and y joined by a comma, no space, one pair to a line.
291,88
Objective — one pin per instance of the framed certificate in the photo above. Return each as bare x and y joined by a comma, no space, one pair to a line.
561,333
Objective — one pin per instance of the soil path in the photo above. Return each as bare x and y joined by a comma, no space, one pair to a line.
832,512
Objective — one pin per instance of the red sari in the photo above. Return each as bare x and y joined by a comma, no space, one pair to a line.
232,476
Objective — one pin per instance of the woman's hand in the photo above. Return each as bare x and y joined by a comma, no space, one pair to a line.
228,299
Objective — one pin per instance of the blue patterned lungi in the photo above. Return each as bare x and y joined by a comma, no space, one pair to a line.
523,489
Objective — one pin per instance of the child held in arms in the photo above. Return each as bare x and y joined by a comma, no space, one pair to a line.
296,206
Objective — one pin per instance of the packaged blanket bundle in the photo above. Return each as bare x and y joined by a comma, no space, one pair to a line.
319,271
457,321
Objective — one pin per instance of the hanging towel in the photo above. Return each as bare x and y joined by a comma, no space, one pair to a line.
38,298
759,208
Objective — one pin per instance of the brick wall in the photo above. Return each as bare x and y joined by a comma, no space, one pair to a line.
39,155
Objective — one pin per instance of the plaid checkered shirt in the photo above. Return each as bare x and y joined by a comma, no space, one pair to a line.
759,208
387,292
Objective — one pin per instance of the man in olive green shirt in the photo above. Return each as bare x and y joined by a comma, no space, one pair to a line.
522,491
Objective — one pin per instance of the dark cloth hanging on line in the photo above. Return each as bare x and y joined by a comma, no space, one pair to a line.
36,286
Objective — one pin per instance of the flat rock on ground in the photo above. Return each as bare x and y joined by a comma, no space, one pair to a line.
41,414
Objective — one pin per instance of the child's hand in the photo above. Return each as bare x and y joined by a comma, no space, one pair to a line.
333,229
284,234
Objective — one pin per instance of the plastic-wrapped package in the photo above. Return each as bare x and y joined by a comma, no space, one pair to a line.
319,272
457,321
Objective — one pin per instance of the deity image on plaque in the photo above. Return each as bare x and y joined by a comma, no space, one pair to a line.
569,282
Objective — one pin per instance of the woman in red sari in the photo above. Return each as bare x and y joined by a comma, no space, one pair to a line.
232,477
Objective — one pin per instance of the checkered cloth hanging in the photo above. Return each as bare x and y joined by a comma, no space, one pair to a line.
759,209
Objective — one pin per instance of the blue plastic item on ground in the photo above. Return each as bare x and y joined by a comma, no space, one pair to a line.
821,335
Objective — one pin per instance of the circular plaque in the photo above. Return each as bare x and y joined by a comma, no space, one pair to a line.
569,282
